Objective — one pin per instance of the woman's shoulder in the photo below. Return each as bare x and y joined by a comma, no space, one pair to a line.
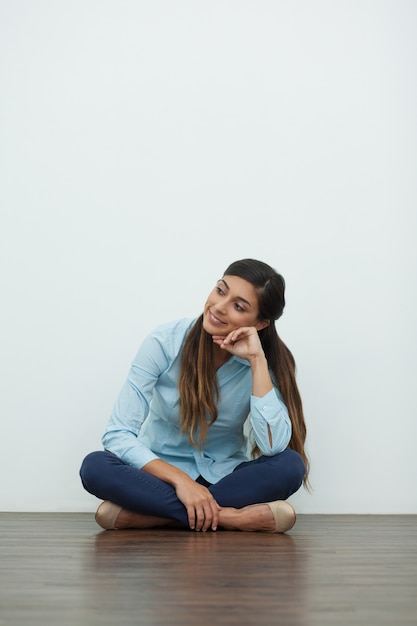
171,334
174,327
164,342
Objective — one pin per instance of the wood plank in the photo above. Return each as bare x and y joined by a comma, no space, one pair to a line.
330,569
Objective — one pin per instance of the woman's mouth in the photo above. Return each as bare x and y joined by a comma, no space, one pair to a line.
215,320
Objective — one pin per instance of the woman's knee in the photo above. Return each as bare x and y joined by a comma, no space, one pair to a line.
290,464
296,463
91,467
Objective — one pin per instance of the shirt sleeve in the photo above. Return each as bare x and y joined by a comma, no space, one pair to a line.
132,405
270,410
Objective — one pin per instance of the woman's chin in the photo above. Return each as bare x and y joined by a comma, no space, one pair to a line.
213,329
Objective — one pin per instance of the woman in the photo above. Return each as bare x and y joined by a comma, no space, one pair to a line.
175,448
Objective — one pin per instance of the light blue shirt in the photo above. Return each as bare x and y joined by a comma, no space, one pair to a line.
145,423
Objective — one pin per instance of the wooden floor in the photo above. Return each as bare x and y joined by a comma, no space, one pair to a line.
59,569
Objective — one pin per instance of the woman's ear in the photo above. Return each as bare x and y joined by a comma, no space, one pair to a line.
262,325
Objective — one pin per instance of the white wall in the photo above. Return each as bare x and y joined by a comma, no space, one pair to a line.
144,146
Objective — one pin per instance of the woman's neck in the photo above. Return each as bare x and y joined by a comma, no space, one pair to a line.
220,356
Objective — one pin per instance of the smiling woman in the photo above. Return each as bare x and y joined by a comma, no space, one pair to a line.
174,448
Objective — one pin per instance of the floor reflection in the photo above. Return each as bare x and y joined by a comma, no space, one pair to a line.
165,574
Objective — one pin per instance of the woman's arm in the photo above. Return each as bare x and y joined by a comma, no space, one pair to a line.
202,508
269,415
245,343
132,404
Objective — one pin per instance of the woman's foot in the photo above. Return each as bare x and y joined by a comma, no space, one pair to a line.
107,514
284,515
272,517
112,517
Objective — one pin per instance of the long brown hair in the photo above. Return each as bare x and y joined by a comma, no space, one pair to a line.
198,385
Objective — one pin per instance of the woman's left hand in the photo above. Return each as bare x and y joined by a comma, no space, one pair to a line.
243,342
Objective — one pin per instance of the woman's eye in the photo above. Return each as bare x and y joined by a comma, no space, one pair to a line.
219,290
238,307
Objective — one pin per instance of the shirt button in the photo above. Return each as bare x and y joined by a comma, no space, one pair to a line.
264,408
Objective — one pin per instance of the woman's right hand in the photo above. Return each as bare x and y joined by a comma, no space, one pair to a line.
202,508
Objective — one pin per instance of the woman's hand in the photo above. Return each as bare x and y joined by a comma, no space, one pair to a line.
202,508
243,342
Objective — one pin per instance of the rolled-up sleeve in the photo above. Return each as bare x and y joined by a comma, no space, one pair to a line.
270,410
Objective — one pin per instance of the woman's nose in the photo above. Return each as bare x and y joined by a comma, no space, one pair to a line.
220,306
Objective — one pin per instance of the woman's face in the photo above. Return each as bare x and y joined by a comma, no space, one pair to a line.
233,303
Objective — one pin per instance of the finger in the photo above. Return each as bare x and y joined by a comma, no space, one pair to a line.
229,338
227,343
211,511
235,335
208,517
215,508
200,518
240,333
191,517
220,341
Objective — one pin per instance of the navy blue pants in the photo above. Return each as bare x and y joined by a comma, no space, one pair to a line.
264,479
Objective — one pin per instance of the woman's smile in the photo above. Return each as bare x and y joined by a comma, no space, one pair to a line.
215,320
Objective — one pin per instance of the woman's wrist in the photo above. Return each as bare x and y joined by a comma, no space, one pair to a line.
258,360
261,379
166,472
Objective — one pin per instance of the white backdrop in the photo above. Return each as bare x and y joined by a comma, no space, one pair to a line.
144,146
